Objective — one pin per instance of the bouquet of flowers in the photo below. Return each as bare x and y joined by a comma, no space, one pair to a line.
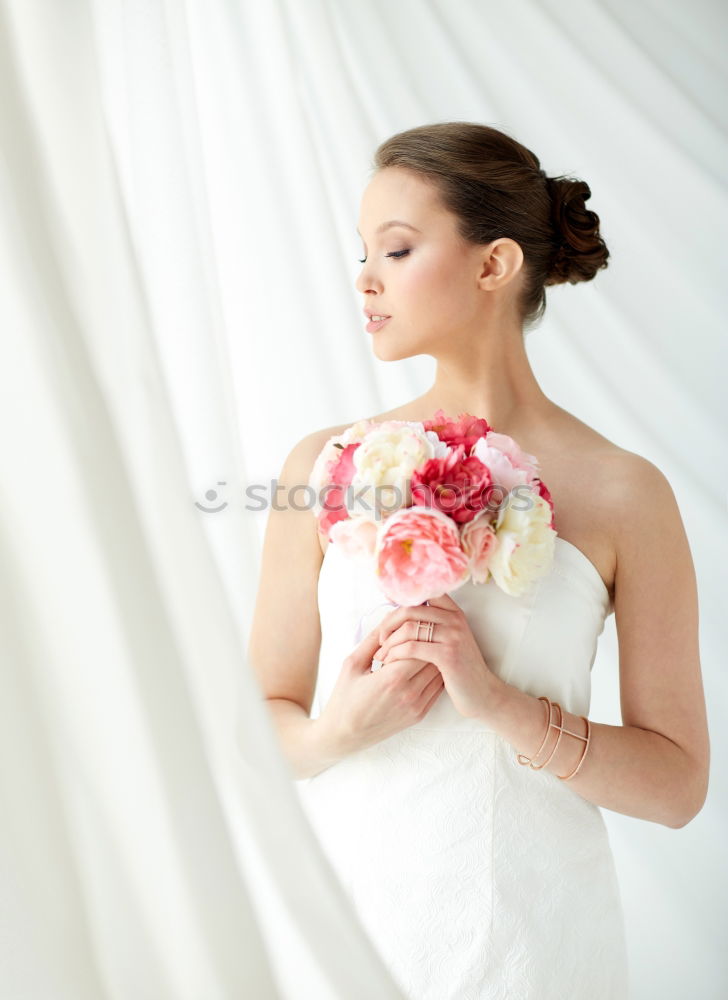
429,505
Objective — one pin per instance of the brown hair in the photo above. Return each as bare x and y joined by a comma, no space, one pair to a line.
495,187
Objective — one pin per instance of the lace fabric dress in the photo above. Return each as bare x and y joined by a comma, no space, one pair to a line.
476,878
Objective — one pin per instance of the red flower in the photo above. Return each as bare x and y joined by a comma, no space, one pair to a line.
457,485
465,430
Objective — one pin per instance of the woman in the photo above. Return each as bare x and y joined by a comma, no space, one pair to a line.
474,875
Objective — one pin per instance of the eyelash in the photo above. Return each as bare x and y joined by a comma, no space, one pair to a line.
394,253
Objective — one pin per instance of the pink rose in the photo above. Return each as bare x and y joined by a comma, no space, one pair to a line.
465,430
418,556
355,536
457,485
478,540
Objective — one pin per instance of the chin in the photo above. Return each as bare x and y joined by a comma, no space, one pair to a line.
393,352
394,349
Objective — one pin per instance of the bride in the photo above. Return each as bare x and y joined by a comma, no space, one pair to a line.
475,876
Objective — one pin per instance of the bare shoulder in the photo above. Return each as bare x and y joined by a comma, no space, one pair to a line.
631,477
303,454
636,509
635,501
644,510
630,486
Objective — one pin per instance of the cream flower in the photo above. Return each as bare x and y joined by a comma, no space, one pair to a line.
357,431
525,546
384,463
441,448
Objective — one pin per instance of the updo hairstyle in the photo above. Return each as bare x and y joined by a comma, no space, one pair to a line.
496,188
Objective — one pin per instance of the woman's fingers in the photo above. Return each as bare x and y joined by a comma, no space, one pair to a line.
410,631
428,675
423,613
431,691
362,655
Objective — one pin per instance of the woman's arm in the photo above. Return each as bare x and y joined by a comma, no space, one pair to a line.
656,765
285,638
308,745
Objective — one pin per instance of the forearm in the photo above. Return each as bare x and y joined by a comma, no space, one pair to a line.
308,744
629,770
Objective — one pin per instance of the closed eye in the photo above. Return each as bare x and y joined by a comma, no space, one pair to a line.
393,253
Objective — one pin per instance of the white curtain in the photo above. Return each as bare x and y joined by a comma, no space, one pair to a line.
178,247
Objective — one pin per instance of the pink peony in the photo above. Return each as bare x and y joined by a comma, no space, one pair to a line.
479,540
509,465
340,471
355,536
418,556
465,430
457,485
333,509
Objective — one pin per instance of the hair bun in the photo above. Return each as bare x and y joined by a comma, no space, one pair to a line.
580,250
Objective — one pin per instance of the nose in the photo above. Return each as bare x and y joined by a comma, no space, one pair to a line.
365,283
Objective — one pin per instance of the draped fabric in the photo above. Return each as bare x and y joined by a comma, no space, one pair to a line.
180,185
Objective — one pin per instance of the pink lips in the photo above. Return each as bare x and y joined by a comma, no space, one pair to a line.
373,326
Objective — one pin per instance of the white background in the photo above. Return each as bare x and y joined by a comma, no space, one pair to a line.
178,249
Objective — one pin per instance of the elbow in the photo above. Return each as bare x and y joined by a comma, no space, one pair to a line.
693,803
684,819
687,817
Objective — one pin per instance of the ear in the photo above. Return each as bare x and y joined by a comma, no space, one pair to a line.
501,262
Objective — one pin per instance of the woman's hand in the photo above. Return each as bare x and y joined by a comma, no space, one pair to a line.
469,682
367,707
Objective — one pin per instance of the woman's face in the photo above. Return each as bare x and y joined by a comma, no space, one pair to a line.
425,280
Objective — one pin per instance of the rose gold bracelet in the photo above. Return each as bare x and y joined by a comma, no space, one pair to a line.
527,760
586,739
523,759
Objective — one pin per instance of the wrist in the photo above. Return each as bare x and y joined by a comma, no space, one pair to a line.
332,741
498,695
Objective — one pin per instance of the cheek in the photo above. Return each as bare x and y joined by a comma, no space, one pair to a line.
438,288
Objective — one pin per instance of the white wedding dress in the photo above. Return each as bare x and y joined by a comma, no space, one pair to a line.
475,877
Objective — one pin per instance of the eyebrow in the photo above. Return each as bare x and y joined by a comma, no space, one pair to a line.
394,222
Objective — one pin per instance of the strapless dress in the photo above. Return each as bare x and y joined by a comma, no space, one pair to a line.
475,877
